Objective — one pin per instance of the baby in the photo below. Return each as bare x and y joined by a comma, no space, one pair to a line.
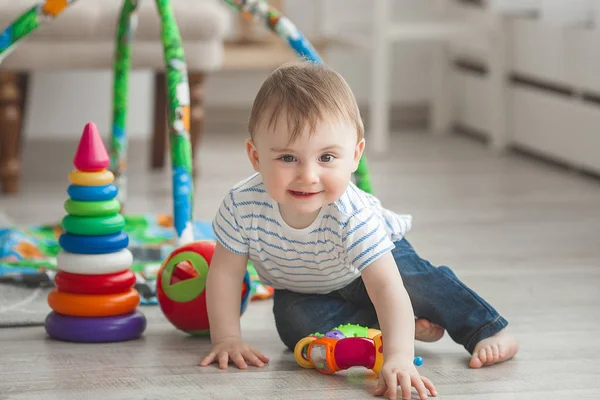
333,254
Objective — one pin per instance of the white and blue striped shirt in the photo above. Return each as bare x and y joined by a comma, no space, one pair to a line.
346,236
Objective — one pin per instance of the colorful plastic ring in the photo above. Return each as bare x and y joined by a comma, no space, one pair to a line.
93,244
93,226
99,178
94,264
95,330
92,208
299,350
94,305
94,284
92,193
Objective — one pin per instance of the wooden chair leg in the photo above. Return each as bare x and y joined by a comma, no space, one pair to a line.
23,89
196,113
159,134
11,121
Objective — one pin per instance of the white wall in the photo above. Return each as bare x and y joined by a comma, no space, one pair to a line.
62,102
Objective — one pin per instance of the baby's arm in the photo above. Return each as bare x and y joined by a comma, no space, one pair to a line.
223,299
396,319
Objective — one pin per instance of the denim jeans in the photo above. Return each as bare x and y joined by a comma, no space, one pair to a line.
435,292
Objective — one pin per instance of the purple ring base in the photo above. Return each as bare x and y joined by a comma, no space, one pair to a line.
95,329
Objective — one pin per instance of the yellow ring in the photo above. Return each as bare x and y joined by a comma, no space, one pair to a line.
303,362
372,332
99,178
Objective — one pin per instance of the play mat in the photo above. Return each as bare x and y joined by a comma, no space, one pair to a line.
28,254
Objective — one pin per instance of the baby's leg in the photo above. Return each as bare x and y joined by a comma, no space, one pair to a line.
297,315
440,297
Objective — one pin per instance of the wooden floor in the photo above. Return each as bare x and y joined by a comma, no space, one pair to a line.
523,234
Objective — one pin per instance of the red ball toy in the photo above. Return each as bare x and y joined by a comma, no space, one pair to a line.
180,285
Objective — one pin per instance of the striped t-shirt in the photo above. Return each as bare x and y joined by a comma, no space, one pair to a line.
346,236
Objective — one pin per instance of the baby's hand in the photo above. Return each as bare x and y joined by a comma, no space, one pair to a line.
238,351
401,371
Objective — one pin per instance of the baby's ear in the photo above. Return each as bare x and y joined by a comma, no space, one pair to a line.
358,151
252,154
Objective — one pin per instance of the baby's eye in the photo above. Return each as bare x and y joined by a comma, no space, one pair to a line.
287,158
327,158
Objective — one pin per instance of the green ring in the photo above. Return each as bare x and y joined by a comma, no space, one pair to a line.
189,289
92,208
93,226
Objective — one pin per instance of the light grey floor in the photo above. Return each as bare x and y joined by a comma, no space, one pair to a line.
523,234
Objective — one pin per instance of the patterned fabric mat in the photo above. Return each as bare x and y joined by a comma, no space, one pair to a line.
28,264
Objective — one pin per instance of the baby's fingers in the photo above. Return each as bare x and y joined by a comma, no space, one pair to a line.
260,355
429,385
223,359
381,386
405,385
252,358
209,359
238,359
418,384
391,381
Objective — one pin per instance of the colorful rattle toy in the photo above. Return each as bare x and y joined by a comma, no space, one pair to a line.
343,347
180,285
94,299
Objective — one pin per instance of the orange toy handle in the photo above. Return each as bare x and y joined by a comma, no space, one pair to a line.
93,305
321,354
378,341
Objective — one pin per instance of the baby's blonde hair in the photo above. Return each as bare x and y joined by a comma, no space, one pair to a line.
307,93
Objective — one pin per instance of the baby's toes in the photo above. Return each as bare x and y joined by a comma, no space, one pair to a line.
422,323
478,359
495,353
483,354
489,355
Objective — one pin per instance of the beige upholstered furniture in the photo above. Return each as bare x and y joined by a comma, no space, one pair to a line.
83,37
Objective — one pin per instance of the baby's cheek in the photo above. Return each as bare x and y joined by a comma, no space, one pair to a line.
337,185
278,185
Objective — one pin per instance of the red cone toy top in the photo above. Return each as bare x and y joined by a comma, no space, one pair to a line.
91,154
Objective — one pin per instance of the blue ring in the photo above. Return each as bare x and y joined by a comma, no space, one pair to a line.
93,244
92,193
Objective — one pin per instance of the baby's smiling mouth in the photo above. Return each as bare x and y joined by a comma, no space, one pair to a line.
303,194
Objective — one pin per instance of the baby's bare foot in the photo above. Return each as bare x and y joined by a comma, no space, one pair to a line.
495,349
427,331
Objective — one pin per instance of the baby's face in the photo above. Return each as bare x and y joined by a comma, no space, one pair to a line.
310,172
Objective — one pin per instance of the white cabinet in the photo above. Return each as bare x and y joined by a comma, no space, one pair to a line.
583,46
537,50
470,92
557,127
553,92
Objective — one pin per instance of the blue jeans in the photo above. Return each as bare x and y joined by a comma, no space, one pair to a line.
435,292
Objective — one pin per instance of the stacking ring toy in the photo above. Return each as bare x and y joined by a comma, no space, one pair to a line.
94,264
95,330
93,244
94,284
94,305
99,178
92,193
93,226
92,208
